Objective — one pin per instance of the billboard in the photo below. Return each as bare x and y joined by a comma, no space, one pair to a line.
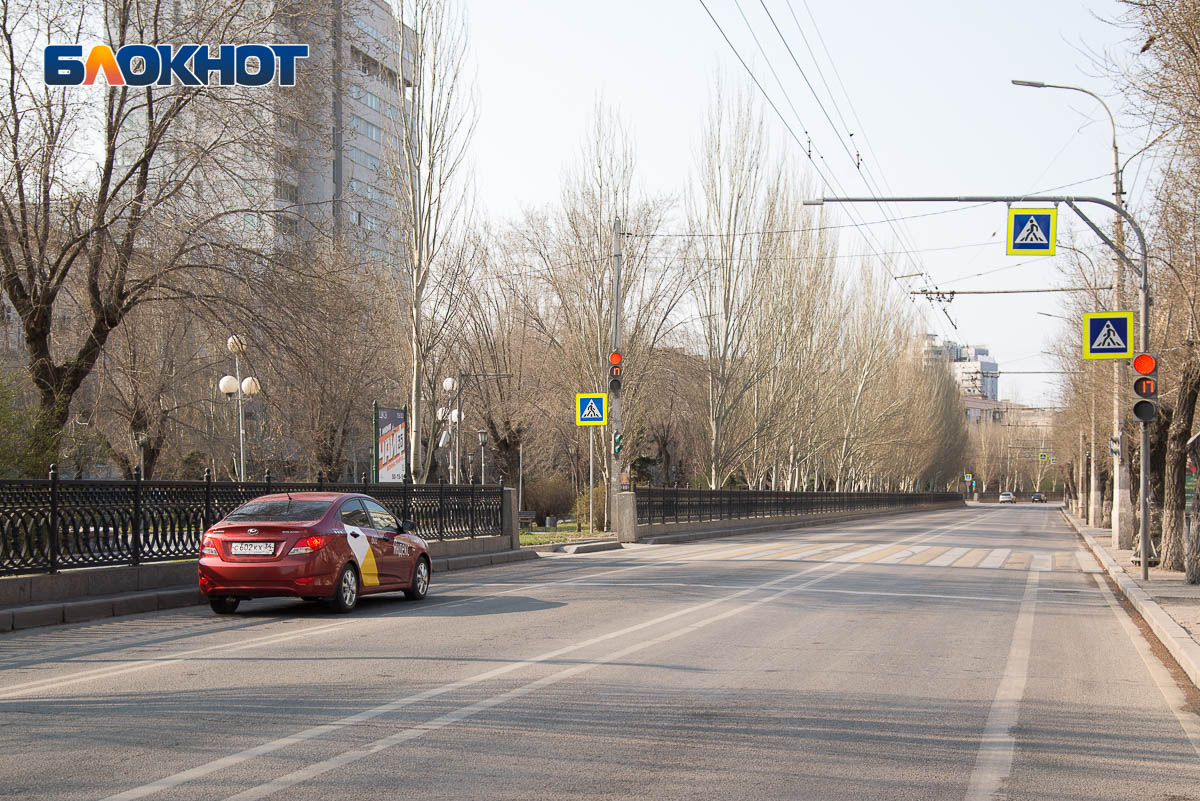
391,445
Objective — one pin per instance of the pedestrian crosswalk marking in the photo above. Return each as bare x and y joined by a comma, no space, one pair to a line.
948,558
889,553
900,556
996,558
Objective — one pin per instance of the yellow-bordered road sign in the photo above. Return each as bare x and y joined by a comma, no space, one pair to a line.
591,409
1108,335
1032,232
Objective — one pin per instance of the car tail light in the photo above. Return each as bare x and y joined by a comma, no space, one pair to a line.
308,544
210,547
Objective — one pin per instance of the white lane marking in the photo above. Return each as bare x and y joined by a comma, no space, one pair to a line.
948,558
993,762
900,556
861,552
1042,562
462,713
316,731
1158,672
996,558
200,771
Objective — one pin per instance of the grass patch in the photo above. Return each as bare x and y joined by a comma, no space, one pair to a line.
563,534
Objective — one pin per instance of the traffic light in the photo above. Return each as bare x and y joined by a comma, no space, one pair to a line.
1145,386
615,371
618,443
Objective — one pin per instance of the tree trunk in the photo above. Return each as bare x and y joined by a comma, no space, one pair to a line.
1172,557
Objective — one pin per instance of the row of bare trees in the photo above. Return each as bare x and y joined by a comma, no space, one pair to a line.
1159,83
757,354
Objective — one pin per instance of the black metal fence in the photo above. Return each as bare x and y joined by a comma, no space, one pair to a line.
674,505
50,524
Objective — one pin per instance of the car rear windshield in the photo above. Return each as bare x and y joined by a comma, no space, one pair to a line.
283,510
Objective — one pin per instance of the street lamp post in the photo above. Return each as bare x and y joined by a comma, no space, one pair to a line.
234,386
1122,509
450,384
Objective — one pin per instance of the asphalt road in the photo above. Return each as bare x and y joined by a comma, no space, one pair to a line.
965,654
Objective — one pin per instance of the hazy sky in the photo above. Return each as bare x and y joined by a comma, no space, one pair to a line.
926,95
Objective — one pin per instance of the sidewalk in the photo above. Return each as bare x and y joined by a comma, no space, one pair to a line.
1169,606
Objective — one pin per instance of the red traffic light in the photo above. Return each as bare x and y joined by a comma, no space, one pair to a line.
1145,364
614,357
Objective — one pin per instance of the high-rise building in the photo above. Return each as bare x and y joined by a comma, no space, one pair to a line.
973,367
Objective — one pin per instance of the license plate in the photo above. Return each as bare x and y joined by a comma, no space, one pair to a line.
253,548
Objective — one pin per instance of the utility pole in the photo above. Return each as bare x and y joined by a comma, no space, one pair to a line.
614,398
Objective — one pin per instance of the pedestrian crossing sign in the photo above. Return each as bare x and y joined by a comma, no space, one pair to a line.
1032,232
591,409
1108,335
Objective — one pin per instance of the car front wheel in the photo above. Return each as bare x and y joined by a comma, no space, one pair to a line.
345,592
420,582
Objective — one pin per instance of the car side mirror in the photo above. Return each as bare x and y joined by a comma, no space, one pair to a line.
408,526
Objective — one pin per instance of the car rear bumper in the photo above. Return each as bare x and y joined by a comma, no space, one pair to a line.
257,581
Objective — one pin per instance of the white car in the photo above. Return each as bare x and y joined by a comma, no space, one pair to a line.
1007,497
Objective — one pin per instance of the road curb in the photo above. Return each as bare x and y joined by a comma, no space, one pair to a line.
1173,636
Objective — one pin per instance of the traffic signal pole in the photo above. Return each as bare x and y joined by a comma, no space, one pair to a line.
614,398
1072,202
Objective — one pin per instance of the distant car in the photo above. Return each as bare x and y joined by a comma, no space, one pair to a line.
1038,497
313,545
1007,497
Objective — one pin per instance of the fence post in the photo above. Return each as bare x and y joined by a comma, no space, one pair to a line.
406,498
54,521
136,556
207,515
441,508
472,505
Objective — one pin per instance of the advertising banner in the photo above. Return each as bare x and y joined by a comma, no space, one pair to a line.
391,445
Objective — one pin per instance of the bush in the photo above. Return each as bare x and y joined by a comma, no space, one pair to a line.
598,498
549,495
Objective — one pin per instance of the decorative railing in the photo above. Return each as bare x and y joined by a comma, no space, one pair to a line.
50,524
675,505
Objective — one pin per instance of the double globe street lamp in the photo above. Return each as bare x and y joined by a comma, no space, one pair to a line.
236,387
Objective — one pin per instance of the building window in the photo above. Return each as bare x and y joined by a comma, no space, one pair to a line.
367,129
285,224
289,193
363,158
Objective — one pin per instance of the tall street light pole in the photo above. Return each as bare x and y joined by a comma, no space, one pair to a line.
234,386
451,384
1122,510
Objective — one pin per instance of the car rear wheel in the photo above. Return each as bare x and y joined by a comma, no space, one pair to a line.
420,582
345,592
224,605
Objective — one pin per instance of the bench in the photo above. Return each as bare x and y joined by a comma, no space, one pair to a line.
526,519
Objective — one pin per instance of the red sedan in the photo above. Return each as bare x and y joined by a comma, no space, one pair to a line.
330,546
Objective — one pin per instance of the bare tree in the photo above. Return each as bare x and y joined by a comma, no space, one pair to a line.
95,178
424,170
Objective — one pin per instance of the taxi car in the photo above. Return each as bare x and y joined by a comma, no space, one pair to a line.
328,546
